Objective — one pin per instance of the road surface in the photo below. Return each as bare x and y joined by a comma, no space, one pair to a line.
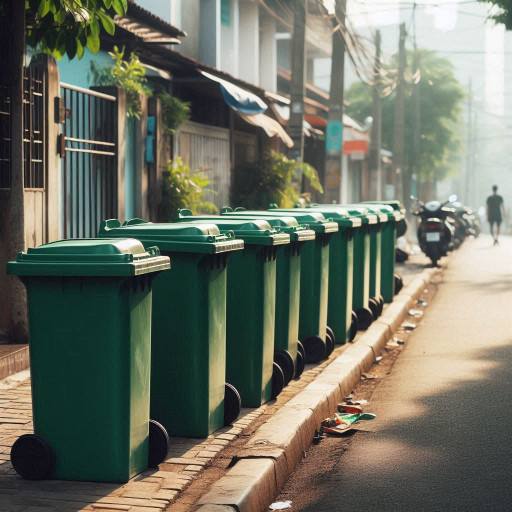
443,434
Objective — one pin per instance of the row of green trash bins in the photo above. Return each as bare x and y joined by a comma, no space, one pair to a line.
185,323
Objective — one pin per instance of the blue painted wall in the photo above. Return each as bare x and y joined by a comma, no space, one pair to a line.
77,72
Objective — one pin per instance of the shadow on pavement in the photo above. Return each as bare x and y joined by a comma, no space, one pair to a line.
450,451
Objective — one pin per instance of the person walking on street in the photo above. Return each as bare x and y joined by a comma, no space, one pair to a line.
495,212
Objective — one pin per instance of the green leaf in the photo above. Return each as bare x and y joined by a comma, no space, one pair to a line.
71,46
107,22
119,7
79,49
94,27
93,42
44,8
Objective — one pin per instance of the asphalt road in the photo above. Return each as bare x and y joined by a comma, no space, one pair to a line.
443,435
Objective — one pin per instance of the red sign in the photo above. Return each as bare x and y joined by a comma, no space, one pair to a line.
355,146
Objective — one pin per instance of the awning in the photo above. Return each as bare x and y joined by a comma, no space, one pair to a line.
271,127
282,112
240,100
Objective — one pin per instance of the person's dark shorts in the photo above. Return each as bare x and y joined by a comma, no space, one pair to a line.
495,220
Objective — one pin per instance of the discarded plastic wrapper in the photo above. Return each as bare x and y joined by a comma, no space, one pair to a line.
416,313
280,505
341,423
409,326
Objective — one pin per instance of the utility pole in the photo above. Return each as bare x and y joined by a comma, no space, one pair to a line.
333,182
399,124
414,165
376,133
298,68
469,146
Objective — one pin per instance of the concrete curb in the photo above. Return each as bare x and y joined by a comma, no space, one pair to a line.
262,467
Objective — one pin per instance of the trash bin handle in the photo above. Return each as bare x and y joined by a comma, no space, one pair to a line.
107,225
135,221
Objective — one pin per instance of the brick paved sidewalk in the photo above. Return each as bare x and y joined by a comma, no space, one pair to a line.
151,491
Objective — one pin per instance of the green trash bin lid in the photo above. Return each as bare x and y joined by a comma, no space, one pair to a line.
174,237
398,210
382,217
251,231
355,210
285,223
386,209
314,220
339,215
89,257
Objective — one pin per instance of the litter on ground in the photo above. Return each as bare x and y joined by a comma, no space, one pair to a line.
281,505
345,420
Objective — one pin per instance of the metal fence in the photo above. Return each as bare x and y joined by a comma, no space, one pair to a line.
90,160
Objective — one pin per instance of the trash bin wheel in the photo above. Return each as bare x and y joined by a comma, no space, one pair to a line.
329,344
364,318
399,283
302,350
331,332
158,444
381,304
315,349
374,306
277,380
32,457
284,359
232,403
299,365
353,327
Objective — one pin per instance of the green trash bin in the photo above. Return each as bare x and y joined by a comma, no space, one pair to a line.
251,298
314,332
89,305
376,301
362,315
388,245
188,341
341,318
289,353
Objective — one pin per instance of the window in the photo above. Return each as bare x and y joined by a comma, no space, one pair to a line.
225,12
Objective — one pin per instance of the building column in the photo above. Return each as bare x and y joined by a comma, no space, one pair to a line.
229,48
209,32
268,54
249,42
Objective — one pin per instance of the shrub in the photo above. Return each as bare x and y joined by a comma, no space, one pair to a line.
276,180
129,75
183,188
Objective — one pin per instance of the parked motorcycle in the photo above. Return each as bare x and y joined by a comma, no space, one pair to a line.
467,218
436,230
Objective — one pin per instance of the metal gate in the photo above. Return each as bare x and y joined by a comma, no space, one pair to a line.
90,160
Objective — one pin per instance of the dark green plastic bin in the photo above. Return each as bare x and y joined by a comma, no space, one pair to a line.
189,325
251,297
314,332
388,246
89,305
341,317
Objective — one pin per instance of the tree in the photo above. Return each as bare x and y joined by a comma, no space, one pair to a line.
504,12
440,97
58,27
